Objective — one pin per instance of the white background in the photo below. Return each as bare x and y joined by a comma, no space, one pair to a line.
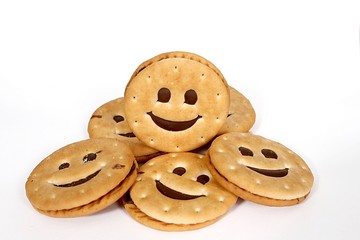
296,61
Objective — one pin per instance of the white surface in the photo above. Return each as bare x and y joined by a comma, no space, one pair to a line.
298,63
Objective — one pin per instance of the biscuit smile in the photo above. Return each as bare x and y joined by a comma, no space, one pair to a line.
78,182
174,126
129,134
171,193
271,173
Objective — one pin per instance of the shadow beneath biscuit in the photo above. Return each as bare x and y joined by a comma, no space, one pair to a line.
239,202
202,149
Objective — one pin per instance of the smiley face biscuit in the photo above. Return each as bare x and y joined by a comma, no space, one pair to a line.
259,170
241,116
176,102
81,178
108,121
176,192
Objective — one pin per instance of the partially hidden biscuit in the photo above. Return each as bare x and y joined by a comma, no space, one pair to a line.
176,102
81,178
241,116
108,121
259,170
176,192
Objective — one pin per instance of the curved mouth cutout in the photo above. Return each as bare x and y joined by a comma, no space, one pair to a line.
128,135
171,193
173,126
80,181
271,173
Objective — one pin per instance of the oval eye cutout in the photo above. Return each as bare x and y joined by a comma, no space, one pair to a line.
179,171
203,179
64,165
89,157
190,97
268,153
245,151
164,95
118,118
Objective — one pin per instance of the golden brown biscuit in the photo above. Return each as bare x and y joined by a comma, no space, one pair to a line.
176,102
82,178
241,115
259,170
108,121
176,192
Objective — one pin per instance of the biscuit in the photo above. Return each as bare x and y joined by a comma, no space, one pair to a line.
82,178
241,116
108,121
176,102
259,170
176,192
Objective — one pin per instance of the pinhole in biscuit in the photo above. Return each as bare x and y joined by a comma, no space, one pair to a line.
175,104
109,121
178,187
259,169
81,178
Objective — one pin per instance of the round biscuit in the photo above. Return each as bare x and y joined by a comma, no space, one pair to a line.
180,97
176,191
76,179
259,169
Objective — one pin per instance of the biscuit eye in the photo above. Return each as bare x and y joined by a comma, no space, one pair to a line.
64,165
118,118
179,171
89,157
268,153
245,151
190,97
164,95
203,179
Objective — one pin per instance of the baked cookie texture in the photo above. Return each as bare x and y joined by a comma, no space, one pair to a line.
259,170
175,192
108,121
241,116
82,178
176,102
190,133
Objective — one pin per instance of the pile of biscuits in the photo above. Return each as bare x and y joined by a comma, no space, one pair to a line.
176,152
